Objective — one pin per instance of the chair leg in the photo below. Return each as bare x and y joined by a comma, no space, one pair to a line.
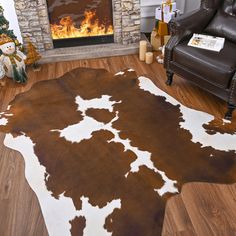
169,78
229,113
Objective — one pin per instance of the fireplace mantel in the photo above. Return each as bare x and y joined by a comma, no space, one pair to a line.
34,23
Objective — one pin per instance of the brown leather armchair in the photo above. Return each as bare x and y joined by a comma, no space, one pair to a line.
212,71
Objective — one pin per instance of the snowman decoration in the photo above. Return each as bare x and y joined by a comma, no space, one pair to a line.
12,60
2,75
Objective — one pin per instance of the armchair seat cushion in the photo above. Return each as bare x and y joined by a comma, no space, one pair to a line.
217,68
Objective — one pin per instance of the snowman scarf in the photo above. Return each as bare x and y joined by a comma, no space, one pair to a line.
13,57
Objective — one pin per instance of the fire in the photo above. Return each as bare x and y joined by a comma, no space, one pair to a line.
90,26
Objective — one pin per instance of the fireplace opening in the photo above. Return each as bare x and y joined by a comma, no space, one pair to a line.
77,23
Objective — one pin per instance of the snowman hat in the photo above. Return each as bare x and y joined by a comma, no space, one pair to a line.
5,39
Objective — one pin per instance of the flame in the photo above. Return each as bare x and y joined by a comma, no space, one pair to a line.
90,26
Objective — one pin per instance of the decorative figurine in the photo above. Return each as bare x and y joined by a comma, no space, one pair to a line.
12,59
32,56
2,75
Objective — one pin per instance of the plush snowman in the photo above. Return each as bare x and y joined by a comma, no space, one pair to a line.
2,71
2,75
12,60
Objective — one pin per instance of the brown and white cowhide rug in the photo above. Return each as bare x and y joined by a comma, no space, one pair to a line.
104,152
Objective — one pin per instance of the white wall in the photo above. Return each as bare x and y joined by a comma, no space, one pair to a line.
148,12
191,5
10,15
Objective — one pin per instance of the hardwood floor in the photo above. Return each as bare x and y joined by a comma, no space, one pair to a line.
202,209
19,207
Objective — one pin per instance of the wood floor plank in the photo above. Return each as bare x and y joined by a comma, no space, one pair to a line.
177,223
211,209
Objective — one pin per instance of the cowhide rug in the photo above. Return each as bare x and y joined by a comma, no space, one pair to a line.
104,152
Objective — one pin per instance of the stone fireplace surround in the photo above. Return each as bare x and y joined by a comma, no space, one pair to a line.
33,22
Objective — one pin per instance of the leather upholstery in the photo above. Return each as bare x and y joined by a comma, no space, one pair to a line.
214,72
218,68
199,81
195,21
224,23
234,7
232,98
183,29
212,4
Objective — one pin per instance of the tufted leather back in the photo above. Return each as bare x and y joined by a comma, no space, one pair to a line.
224,22
234,7
212,4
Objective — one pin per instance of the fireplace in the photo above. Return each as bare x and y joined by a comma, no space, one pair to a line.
121,24
77,23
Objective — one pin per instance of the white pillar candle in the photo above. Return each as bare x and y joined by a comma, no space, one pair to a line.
142,50
149,58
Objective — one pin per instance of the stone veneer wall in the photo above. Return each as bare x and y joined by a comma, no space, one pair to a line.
127,20
33,21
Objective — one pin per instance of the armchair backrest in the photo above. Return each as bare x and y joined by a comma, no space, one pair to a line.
234,7
212,4
224,22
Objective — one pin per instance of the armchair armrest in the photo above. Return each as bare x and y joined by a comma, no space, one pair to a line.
183,27
232,98
194,21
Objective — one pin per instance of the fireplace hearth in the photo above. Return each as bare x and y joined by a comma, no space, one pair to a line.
120,31
91,40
